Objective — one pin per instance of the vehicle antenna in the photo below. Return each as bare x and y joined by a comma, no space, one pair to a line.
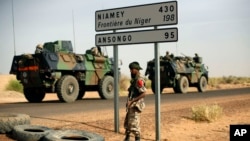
73,24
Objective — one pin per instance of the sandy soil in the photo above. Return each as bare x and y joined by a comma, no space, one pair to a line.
176,124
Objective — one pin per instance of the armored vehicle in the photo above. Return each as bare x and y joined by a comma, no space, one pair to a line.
179,73
55,68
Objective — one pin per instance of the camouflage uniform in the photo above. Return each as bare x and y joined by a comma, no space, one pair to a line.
132,119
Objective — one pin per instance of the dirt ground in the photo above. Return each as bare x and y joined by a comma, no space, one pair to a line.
176,124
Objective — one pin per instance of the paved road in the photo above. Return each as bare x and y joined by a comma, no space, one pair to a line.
88,105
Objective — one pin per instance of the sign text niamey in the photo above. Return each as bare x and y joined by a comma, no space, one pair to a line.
137,37
156,14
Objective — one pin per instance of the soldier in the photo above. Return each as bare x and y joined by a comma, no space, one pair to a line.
39,48
167,56
135,103
196,58
96,51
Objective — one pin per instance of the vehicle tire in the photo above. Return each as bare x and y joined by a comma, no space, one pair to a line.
153,88
9,120
82,90
67,89
202,84
30,132
176,89
34,95
183,84
106,87
72,135
81,94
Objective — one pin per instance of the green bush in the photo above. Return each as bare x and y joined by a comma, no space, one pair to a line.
14,85
207,113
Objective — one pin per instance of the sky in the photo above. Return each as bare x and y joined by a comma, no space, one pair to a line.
218,30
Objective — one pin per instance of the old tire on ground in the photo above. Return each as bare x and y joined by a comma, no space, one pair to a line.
29,132
106,87
183,84
72,135
34,95
9,120
202,84
67,89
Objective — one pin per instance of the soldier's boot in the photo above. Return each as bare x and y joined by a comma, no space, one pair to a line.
127,137
137,138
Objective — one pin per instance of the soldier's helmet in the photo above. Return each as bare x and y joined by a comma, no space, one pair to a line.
135,65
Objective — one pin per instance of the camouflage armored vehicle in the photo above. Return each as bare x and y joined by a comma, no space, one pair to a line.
54,68
179,73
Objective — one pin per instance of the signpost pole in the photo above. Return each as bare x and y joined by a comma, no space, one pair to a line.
116,87
157,93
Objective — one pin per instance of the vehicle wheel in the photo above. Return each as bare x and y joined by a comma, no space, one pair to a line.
202,84
106,87
29,132
153,88
81,94
67,89
183,84
72,135
82,90
9,120
34,95
176,89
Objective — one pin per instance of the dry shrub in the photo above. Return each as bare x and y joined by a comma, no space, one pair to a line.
124,82
207,113
148,84
217,81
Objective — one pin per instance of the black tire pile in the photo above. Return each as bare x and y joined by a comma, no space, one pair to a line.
17,127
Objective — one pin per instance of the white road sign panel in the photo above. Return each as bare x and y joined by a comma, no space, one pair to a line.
136,37
164,13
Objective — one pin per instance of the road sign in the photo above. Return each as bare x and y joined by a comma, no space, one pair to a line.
136,37
164,13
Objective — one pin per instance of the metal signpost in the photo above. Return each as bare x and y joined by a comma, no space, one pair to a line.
150,15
